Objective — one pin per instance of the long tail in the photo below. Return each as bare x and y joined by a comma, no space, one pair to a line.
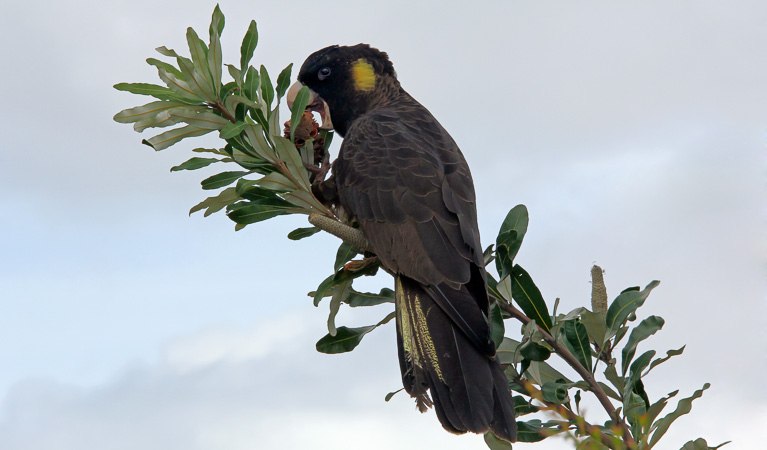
469,390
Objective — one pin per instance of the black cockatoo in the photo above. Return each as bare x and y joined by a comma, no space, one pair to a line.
402,178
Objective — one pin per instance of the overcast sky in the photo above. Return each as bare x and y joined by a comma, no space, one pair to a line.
633,131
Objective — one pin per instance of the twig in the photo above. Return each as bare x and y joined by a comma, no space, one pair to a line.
587,376
582,425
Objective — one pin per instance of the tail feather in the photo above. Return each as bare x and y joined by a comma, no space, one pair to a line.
468,388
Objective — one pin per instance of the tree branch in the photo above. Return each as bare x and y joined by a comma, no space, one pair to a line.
587,376
571,417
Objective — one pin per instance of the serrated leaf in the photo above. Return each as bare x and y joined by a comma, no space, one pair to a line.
624,305
668,356
577,337
301,233
267,89
509,239
222,179
248,45
194,164
216,203
346,339
645,329
168,138
683,407
529,298
283,81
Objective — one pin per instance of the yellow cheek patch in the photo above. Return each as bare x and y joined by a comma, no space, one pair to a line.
364,76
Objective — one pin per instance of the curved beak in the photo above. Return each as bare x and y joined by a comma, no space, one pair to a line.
316,104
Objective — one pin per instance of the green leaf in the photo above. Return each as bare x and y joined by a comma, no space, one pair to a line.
179,85
391,394
701,444
509,239
276,182
523,407
346,252
655,409
507,351
340,294
165,66
300,233
267,90
198,73
555,392
683,407
356,298
252,83
529,298
160,92
668,356
633,382
495,443
283,81
289,155
216,203
577,337
231,130
194,164
624,305
215,58
217,21
153,112
248,45
534,352
595,326
251,212
497,328
346,339
165,51
611,373
222,179
530,431
255,134
297,111
204,119
645,329
165,140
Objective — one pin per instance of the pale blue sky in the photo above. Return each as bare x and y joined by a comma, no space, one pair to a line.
634,133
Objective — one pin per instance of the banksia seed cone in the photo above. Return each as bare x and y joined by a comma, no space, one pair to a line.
308,128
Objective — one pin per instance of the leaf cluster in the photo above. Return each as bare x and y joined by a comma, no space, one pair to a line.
271,179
